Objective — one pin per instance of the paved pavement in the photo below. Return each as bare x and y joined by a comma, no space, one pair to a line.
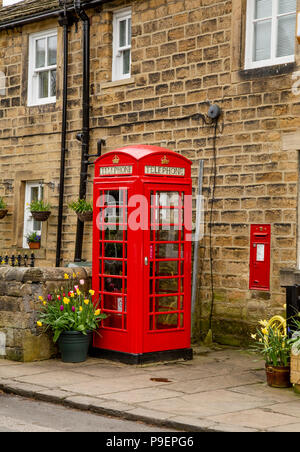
221,389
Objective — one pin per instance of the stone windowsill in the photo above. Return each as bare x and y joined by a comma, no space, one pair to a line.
289,277
126,81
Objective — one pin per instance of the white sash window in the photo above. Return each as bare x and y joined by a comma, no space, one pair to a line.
121,45
270,32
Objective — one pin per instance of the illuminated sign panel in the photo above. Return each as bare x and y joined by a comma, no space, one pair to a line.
115,170
164,170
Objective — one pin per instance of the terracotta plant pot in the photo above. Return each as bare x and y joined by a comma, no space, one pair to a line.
85,216
41,216
278,376
3,213
34,245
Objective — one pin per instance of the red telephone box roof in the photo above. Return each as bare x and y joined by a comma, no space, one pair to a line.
145,160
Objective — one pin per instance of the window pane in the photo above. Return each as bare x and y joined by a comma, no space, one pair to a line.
262,40
286,35
122,42
52,46
263,8
43,84
52,83
286,6
126,61
40,53
129,32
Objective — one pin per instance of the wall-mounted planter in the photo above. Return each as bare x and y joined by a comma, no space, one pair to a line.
40,216
3,213
85,216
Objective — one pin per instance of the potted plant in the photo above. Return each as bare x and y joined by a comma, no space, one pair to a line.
295,355
273,343
3,209
72,316
40,210
33,240
83,209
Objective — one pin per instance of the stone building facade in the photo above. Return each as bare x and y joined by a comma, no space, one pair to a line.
185,55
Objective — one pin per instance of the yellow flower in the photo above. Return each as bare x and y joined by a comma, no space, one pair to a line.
97,312
72,294
92,292
264,331
263,322
86,301
74,275
39,323
66,276
78,292
80,308
44,303
253,336
66,300
41,298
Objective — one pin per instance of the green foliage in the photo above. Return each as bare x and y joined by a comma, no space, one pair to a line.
2,204
68,309
39,206
33,237
81,206
273,344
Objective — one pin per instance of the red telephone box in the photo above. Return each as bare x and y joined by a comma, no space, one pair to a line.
142,254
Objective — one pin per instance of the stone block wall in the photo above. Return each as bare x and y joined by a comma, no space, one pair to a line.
20,338
186,54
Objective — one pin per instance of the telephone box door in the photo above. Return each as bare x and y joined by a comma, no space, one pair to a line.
167,272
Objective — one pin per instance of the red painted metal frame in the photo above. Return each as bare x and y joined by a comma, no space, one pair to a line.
134,336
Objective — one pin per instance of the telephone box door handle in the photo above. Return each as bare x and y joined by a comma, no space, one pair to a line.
146,260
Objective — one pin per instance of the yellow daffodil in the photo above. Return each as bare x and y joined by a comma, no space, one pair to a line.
66,276
263,322
264,331
253,336
86,301
66,300
97,312
44,303
80,308
41,298
78,292
91,292
39,323
72,295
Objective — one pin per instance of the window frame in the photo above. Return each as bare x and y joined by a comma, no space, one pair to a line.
33,72
28,219
117,64
249,41
11,2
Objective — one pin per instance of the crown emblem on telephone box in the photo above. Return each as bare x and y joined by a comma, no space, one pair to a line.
164,160
116,159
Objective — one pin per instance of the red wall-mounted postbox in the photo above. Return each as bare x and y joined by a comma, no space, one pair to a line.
142,253
260,241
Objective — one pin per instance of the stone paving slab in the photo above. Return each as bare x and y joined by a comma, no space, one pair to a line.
223,389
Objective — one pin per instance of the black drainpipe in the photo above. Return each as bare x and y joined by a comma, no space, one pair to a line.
85,135
64,22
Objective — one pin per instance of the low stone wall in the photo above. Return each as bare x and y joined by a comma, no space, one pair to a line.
20,338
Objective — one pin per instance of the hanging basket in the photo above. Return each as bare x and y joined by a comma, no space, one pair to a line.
85,216
41,216
3,213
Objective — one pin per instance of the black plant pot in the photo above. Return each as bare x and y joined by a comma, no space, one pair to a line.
74,346
85,216
3,213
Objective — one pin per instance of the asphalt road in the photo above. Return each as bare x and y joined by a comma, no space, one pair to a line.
18,414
